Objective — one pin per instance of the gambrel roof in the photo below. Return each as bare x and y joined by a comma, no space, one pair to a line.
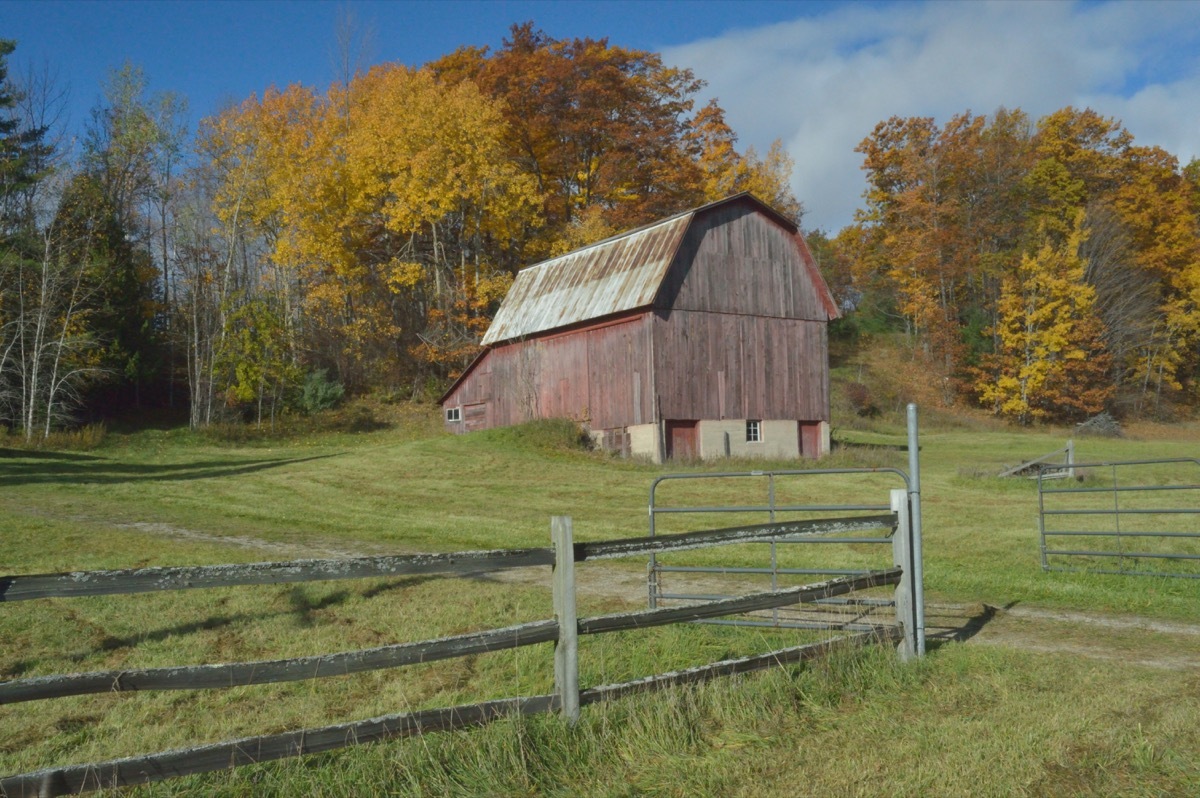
632,272
614,276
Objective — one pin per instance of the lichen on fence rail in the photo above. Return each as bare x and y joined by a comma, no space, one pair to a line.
78,584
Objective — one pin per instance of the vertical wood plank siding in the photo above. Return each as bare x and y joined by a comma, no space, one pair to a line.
774,368
735,260
587,373
739,300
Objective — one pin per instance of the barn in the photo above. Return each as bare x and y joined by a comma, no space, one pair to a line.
703,335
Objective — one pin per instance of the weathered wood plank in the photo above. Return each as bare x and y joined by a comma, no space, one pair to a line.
657,544
251,750
739,604
224,675
732,667
145,580
238,674
566,646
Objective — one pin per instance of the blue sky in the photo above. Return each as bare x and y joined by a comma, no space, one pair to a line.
213,51
816,75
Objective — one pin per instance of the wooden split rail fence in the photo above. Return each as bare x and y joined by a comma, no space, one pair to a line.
564,631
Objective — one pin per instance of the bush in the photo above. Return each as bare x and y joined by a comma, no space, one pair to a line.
861,400
81,439
319,393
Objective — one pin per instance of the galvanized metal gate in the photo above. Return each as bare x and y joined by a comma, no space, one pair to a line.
1131,517
789,561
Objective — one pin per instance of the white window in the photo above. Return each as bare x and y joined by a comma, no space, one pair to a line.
453,414
753,431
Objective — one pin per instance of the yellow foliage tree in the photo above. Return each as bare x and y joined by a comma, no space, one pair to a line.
383,204
1155,202
726,171
1050,363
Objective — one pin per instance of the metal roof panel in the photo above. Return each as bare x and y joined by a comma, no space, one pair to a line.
612,276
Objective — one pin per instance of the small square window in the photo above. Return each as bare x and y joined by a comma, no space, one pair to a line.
753,431
453,414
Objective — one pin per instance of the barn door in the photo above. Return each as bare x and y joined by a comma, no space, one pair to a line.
810,439
681,440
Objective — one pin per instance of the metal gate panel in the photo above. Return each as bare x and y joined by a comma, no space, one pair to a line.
1130,517
770,510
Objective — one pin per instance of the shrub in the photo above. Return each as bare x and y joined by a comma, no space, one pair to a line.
319,393
861,400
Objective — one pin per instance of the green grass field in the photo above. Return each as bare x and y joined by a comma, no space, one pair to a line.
1078,685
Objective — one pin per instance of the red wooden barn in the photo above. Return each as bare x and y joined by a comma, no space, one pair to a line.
703,335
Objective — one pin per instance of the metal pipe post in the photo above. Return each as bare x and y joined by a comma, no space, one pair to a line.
914,502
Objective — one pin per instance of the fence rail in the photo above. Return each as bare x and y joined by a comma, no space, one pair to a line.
151,768
563,630
148,580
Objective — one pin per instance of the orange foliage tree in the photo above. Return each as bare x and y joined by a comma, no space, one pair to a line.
385,216
956,227
607,134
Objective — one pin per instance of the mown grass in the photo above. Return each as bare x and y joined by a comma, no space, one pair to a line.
969,720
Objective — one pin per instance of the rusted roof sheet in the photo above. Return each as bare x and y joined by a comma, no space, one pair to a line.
615,275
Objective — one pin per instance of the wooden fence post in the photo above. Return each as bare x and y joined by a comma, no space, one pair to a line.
902,555
566,650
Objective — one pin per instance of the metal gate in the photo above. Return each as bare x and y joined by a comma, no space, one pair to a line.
1131,517
673,582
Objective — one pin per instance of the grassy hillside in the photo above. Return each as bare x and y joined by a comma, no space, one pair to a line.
1025,714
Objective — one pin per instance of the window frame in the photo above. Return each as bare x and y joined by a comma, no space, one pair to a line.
754,430
453,415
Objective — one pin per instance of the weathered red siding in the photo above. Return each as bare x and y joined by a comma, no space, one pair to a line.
600,373
736,328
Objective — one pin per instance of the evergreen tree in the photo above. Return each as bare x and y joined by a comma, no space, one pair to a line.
21,148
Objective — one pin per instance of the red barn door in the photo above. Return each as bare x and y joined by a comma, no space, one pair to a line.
682,441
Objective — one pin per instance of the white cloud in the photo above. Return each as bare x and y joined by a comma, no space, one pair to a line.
822,83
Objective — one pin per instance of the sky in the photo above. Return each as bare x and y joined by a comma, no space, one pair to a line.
816,75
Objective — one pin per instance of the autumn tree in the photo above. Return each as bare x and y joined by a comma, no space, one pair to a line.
911,214
607,134
725,171
216,259
1087,160
1050,363
1154,203
386,206
957,216
254,351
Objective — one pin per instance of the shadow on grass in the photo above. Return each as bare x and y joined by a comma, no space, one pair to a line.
110,643
34,454
33,469
301,607
399,584
955,628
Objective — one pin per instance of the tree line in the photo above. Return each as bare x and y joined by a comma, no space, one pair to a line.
1045,270
358,237
309,241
